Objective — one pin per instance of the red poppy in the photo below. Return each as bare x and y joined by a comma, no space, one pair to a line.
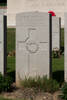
52,13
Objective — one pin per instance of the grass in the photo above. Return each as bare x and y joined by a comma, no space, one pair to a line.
11,67
58,69
11,62
41,84
11,39
11,47
57,64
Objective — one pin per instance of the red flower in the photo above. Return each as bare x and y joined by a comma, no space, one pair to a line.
52,13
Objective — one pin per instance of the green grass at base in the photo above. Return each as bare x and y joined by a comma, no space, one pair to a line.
11,67
58,69
10,64
58,64
11,39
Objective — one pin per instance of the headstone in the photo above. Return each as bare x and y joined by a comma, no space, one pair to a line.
3,41
65,54
56,32
33,45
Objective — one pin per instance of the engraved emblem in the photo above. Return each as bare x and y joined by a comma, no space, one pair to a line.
32,47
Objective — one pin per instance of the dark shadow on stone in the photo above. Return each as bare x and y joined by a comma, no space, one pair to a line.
12,75
62,49
58,76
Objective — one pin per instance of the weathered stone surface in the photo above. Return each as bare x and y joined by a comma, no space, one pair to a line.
56,25
32,45
65,61
1,44
44,96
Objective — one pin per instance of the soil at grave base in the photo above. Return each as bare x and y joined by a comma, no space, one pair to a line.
31,94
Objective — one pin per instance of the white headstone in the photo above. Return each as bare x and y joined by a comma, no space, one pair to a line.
33,44
2,30
56,32
65,54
